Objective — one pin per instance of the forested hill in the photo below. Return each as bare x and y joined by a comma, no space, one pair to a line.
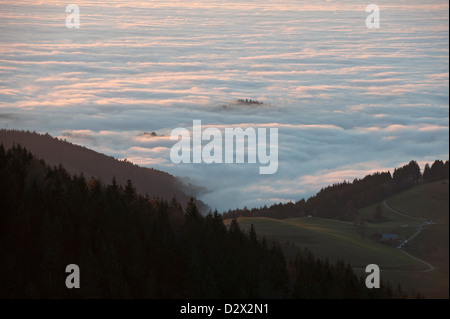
78,159
130,246
343,200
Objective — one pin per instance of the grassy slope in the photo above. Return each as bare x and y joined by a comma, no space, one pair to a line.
330,239
430,201
339,240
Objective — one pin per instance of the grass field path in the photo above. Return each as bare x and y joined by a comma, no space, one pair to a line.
397,212
419,230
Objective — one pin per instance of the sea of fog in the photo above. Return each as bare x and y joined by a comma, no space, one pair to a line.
347,100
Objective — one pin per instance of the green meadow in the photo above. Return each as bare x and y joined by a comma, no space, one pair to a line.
336,240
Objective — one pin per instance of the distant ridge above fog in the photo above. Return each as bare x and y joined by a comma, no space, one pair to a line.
79,159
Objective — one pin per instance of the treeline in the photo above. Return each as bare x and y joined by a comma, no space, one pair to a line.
343,200
131,246
249,101
77,159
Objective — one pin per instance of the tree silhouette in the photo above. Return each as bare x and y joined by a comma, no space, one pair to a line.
131,246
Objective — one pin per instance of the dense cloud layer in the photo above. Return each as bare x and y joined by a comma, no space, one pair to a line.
347,100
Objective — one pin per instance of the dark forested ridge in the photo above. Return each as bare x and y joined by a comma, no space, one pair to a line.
131,246
78,159
343,200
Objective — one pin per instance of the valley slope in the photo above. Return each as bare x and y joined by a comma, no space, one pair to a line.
334,239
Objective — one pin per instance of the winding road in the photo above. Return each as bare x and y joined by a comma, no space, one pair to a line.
419,230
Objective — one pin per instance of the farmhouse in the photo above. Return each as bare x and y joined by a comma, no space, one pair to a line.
388,236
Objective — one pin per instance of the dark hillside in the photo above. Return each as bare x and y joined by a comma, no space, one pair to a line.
78,159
